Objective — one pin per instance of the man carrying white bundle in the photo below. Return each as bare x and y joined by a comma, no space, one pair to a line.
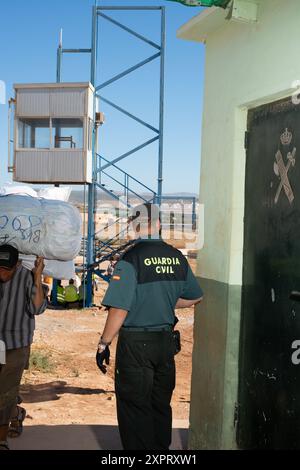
21,298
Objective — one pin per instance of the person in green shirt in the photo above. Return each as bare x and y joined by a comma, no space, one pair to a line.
60,294
150,281
71,294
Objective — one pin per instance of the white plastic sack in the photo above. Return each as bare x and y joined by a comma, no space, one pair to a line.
77,281
60,194
22,189
56,269
40,227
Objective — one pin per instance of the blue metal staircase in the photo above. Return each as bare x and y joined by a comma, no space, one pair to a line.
96,248
105,248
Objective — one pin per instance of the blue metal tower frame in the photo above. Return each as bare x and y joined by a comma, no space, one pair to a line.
100,12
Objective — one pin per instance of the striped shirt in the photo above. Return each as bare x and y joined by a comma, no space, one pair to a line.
17,310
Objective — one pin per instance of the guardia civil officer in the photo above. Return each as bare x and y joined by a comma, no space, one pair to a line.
148,283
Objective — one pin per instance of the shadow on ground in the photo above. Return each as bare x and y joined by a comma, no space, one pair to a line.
80,437
51,391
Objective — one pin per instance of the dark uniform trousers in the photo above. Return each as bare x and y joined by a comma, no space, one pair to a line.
144,383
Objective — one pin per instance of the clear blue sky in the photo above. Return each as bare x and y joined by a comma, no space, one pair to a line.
28,40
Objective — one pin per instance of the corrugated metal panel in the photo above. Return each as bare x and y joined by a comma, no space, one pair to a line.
68,102
33,103
52,166
67,166
32,166
65,102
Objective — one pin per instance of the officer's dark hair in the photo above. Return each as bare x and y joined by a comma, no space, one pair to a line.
146,212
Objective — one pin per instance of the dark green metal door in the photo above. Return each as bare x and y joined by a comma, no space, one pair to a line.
269,373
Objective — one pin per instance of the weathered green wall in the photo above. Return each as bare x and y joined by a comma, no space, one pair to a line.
214,362
247,64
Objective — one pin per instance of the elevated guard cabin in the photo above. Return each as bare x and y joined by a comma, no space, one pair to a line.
53,133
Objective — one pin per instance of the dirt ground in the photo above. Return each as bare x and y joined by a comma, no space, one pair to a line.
70,389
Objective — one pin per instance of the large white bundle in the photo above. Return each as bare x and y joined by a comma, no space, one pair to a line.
40,227
56,269
15,188
61,194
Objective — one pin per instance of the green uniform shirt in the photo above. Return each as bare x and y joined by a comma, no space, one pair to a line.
71,294
60,294
148,281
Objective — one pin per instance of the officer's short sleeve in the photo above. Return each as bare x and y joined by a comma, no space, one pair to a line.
122,287
191,290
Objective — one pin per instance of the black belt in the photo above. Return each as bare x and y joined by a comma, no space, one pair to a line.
148,328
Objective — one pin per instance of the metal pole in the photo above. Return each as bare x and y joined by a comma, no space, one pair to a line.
58,80
10,166
194,214
91,186
127,190
129,8
59,59
94,45
76,51
161,106
83,280
90,245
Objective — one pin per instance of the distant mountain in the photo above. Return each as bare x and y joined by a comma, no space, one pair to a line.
77,196
182,194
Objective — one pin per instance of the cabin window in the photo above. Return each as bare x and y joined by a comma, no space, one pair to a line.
67,133
34,133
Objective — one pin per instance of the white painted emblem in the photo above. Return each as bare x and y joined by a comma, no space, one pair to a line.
281,170
286,137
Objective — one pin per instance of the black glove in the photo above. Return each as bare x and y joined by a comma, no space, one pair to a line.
177,343
101,357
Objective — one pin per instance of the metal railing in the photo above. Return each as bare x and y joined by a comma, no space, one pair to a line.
127,179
